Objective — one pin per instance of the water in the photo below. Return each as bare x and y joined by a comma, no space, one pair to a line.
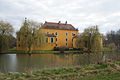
24,62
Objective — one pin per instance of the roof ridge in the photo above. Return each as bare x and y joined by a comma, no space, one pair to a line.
53,25
57,23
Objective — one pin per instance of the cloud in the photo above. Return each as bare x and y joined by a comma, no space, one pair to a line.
79,13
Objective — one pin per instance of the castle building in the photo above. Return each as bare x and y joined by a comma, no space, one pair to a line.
58,35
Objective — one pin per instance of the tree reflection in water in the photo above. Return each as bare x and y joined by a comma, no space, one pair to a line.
24,62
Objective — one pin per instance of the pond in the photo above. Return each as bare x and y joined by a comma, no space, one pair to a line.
24,62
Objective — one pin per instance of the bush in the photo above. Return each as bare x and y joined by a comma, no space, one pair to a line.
112,46
101,66
56,48
78,49
61,49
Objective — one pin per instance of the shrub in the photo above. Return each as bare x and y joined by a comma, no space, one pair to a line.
61,49
56,48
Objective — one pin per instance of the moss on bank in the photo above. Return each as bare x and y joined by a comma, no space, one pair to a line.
108,49
105,49
41,51
85,72
111,76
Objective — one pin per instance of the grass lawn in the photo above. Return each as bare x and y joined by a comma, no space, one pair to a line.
51,51
108,49
39,51
112,76
103,71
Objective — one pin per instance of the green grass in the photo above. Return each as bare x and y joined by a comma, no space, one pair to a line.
104,71
51,51
108,49
112,76
39,51
44,51
15,51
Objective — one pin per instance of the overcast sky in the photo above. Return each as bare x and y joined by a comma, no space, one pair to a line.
80,13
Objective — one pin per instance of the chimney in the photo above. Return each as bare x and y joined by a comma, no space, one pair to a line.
66,22
25,18
45,21
59,22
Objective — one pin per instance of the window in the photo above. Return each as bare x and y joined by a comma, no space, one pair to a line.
73,34
66,39
56,33
51,40
56,39
66,44
56,44
19,45
25,35
46,40
66,33
18,38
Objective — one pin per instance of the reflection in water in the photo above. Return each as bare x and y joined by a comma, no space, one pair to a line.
8,62
24,62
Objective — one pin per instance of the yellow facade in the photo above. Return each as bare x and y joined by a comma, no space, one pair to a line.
62,38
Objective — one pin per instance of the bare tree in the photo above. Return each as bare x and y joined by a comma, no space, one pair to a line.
6,31
90,39
30,35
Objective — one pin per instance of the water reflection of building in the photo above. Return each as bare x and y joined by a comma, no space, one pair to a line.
12,62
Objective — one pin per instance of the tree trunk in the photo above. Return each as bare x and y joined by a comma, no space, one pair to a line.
29,50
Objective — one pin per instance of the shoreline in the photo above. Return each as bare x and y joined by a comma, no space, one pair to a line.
14,51
65,52
78,52
52,52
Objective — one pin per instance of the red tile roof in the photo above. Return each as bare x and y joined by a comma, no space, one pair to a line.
52,25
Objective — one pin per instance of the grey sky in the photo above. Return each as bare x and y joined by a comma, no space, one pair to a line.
79,13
